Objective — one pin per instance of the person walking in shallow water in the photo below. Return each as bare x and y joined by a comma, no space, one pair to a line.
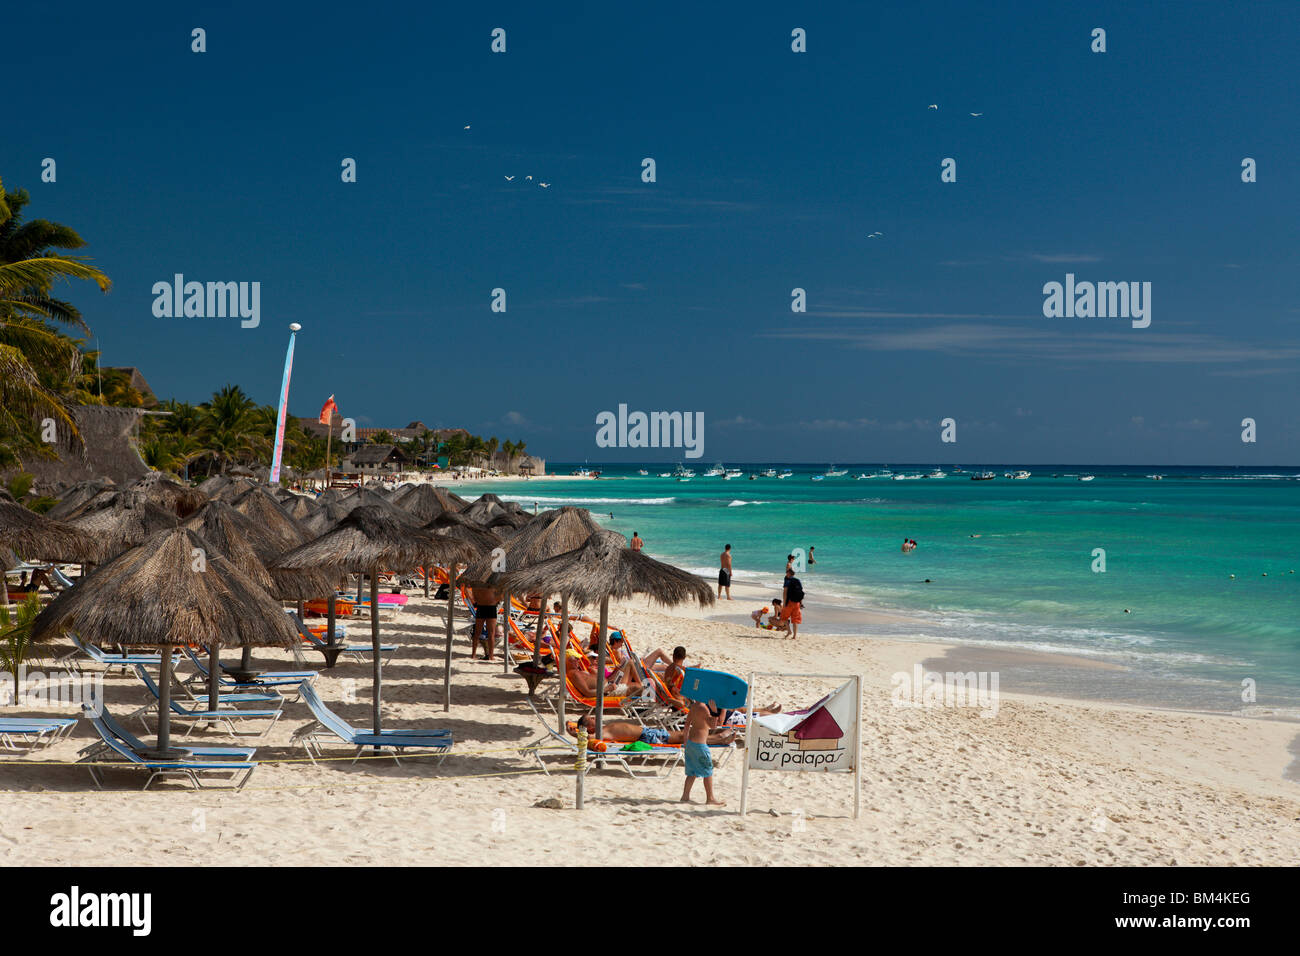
724,573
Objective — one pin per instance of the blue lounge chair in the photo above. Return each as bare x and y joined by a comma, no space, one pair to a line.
329,724
23,734
189,768
222,715
357,652
112,725
111,660
261,682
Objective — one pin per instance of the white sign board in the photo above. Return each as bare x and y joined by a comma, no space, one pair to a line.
823,737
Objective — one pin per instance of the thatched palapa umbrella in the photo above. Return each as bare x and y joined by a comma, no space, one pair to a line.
124,523
548,534
80,496
174,589
167,493
36,536
367,541
605,567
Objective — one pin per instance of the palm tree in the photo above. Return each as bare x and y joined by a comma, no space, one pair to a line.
35,357
231,423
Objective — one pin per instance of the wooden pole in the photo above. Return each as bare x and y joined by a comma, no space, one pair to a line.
165,701
374,640
600,670
214,676
329,437
560,652
505,635
541,626
331,616
451,613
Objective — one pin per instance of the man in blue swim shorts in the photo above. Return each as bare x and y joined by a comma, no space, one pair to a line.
699,761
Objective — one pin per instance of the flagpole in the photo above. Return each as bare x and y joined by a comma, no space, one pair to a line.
329,436
284,406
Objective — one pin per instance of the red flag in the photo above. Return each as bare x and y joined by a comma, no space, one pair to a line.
327,411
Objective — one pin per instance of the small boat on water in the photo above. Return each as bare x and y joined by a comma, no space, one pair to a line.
767,473
833,472
1156,477
936,474
717,471
642,471
681,472
732,473
1020,475
982,476
786,473
1086,477
665,474
818,477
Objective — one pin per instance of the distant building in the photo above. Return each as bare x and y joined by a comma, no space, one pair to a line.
376,460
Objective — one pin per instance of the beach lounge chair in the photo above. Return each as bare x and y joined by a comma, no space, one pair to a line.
229,716
115,728
25,734
329,724
358,652
263,680
190,768
109,661
654,762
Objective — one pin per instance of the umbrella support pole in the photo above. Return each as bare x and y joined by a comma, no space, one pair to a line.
374,639
451,615
505,636
600,669
541,626
559,654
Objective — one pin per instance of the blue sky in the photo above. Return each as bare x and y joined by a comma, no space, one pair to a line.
773,168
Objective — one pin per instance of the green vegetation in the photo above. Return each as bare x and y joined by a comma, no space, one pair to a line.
46,370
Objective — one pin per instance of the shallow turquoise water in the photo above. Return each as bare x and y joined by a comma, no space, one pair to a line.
1011,562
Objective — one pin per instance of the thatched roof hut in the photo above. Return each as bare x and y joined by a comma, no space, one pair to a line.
103,448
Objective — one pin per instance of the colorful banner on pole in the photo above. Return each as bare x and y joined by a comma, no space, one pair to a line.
824,737
327,411
284,410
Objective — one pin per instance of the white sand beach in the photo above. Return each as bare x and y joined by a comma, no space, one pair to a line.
1043,782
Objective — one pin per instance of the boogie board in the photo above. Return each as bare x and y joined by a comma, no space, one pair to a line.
726,690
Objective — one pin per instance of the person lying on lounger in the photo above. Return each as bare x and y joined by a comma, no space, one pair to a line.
619,682
628,732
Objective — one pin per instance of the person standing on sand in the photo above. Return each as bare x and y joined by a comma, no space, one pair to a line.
724,573
792,603
637,543
699,762
485,618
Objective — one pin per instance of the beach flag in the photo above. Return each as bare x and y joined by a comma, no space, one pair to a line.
284,409
327,411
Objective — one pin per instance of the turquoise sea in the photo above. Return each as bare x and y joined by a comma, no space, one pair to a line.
1010,562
